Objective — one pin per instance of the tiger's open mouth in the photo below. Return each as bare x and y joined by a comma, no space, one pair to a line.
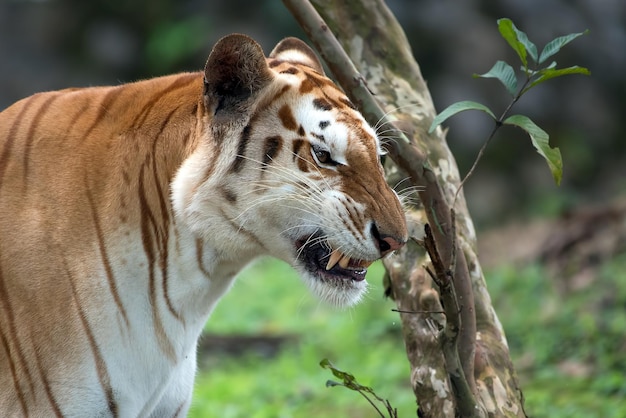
329,264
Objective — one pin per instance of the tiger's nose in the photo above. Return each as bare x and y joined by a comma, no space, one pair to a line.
392,243
386,243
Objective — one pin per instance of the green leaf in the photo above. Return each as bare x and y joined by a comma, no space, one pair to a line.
531,73
508,32
556,44
332,383
505,74
541,142
346,377
550,72
530,47
457,107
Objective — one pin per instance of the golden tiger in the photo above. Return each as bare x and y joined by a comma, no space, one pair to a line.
126,212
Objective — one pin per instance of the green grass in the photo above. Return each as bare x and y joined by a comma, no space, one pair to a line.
270,299
545,331
570,350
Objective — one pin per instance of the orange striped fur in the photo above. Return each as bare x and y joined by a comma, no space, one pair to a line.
125,213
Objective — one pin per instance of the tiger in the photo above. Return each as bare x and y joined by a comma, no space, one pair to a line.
127,211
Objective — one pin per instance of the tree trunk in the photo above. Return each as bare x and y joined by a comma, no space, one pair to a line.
460,363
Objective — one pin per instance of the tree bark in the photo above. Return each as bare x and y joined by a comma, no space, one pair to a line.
460,363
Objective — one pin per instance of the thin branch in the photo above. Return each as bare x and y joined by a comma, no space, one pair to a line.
478,157
348,76
371,403
443,277
417,312
496,126
409,158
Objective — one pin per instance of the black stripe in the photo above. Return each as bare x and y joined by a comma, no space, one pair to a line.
10,139
272,147
358,220
9,314
185,140
73,120
30,136
147,233
164,124
16,383
103,108
164,235
348,222
228,194
199,254
46,387
318,136
240,229
177,84
290,70
101,368
106,261
180,409
297,144
241,149
322,104
146,236
348,103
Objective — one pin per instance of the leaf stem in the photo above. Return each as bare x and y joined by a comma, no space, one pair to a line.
371,403
497,125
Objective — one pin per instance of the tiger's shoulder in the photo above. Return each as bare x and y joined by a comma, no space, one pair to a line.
127,211
125,105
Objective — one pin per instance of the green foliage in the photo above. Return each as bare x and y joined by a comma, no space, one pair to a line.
457,107
567,347
556,44
517,40
350,382
172,42
269,299
549,72
546,331
533,76
540,141
504,73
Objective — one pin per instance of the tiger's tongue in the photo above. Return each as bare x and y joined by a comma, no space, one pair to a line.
345,262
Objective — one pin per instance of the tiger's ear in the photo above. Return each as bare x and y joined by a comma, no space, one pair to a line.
295,51
235,71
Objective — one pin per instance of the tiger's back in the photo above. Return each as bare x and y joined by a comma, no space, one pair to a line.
72,185
126,211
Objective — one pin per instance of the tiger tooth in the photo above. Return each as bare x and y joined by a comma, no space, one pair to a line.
344,261
365,264
333,259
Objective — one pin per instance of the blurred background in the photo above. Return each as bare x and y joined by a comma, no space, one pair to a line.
567,334
51,44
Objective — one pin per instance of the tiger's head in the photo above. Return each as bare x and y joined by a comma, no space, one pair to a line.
288,168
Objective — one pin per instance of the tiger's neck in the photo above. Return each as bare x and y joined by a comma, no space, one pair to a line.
185,273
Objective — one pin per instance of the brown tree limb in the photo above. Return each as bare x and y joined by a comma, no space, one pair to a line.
376,43
443,277
407,156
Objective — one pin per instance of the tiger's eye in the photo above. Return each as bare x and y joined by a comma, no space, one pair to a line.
323,156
